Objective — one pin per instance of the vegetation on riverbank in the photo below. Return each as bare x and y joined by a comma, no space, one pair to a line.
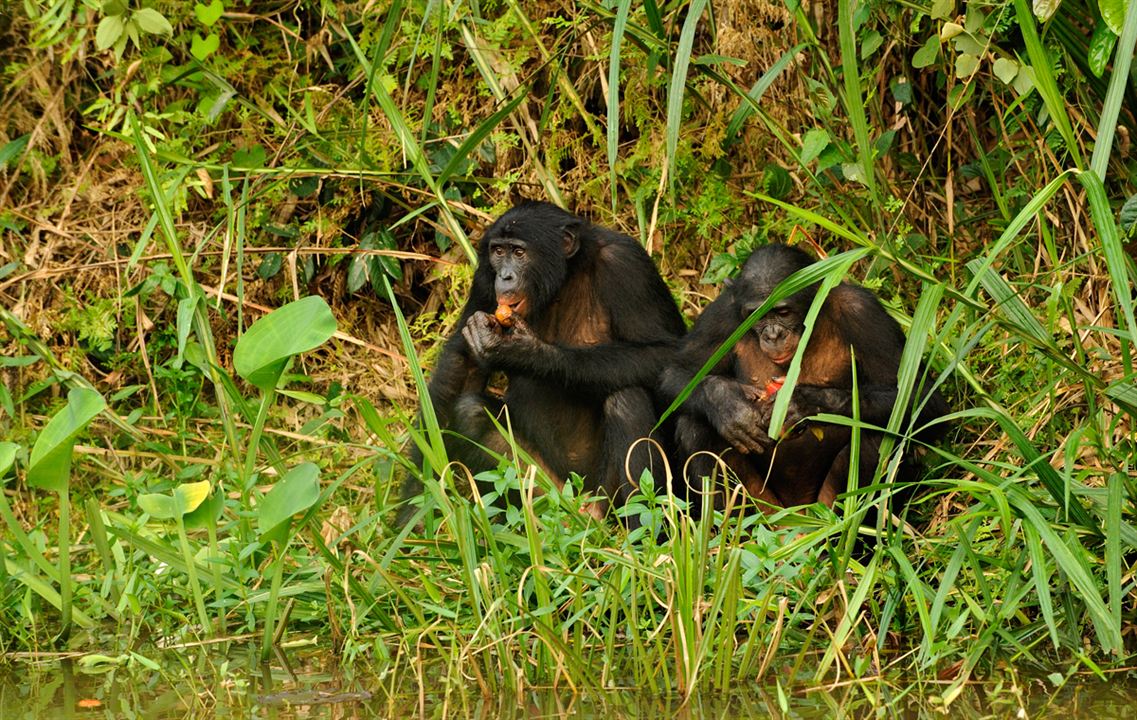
170,172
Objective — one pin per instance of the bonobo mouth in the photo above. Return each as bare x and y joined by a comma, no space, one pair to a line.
513,302
509,308
783,358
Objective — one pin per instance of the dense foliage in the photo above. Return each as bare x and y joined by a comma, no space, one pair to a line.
179,463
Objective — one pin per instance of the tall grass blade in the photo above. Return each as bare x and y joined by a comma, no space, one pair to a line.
676,91
1106,625
1118,82
1040,574
411,146
1116,259
1044,81
854,102
614,93
750,101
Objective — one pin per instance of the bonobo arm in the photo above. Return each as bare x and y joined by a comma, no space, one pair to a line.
643,321
731,407
856,317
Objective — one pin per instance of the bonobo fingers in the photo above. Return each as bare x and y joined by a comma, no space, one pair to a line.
740,423
480,334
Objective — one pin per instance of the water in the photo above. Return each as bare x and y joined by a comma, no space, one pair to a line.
315,686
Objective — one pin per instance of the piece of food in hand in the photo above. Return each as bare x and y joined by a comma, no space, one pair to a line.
504,315
774,385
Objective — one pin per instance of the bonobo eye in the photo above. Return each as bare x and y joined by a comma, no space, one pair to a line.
498,250
518,252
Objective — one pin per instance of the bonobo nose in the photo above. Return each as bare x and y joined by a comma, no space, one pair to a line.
506,283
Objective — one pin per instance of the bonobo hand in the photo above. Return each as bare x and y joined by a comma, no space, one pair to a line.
736,414
496,346
810,400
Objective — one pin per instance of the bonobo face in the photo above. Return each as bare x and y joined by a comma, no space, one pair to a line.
780,329
510,260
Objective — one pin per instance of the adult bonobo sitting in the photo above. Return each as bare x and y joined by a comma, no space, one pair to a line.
728,414
579,321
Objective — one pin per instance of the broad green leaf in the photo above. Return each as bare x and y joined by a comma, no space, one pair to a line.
942,9
50,465
927,54
1128,218
267,345
1005,69
157,505
1101,48
13,149
7,456
966,65
950,30
813,144
854,172
871,44
294,493
969,44
1113,12
114,7
151,21
776,181
184,499
208,14
203,47
109,31
1044,9
1024,81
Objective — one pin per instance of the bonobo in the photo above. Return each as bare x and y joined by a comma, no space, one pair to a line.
580,323
728,413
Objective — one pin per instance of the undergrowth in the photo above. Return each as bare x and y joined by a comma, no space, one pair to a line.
171,172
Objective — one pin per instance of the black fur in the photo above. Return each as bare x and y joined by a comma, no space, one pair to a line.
596,327
729,412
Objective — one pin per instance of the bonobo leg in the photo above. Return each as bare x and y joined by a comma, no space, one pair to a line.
706,454
837,479
628,416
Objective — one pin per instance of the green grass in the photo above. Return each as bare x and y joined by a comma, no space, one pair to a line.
225,499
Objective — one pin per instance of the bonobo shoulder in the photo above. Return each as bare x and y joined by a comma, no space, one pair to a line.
849,302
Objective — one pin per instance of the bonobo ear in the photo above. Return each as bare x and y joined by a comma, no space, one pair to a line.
728,283
570,243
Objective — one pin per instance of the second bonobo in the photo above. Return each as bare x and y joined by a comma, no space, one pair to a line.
728,413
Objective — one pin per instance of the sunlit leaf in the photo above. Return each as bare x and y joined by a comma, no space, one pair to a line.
110,29
1005,69
7,456
184,499
1113,12
928,53
203,47
294,493
950,30
812,144
1044,9
208,14
151,21
1101,48
50,465
266,346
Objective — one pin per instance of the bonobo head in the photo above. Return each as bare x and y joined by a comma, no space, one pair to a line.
780,329
528,249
